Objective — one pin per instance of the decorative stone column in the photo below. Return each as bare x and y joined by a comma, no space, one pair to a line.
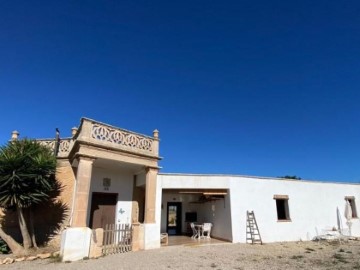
156,142
14,135
150,195
82,189
74,131
136,245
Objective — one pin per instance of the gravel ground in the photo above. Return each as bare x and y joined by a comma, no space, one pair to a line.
300,255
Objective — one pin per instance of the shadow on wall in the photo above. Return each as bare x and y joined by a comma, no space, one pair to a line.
48,221
48,218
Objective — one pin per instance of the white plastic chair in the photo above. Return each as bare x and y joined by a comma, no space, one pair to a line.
207,230
194,231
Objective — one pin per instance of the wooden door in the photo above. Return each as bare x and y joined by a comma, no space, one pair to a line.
103,207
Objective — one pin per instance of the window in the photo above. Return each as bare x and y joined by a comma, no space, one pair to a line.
351,200
282,207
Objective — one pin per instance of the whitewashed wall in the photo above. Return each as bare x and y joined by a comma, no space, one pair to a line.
312,205
219,214
121,183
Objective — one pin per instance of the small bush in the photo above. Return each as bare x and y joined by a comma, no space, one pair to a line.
55,259
4,248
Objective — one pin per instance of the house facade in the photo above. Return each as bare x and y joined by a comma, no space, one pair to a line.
111,175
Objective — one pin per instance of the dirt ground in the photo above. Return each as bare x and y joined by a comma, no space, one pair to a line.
289,255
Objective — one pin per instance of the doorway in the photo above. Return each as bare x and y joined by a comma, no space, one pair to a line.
173,223
103,207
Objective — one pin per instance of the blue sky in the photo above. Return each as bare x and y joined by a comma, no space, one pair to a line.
266,88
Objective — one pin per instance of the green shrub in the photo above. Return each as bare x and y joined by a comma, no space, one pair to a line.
4,248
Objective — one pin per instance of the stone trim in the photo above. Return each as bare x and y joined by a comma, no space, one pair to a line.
281,197
84,157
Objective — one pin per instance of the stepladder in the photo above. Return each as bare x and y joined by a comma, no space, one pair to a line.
252,230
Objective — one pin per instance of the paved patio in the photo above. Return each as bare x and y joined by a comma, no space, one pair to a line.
183,240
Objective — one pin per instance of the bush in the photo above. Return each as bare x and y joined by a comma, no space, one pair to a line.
4,249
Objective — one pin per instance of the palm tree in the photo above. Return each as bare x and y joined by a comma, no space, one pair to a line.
27,177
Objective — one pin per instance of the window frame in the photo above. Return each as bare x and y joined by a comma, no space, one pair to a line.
351,200
286,208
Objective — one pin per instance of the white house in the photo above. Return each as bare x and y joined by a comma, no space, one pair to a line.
285,210
111,175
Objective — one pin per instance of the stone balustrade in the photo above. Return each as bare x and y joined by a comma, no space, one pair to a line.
104,135
64,146
114,137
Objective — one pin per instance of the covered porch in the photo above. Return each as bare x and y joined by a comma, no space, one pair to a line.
186,210
113,178
114,168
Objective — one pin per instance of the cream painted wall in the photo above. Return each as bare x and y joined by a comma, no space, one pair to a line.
312,205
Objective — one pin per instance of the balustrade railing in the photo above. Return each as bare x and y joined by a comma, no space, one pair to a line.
94,132
64,146
119,138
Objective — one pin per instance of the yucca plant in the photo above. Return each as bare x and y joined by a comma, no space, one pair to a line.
27,177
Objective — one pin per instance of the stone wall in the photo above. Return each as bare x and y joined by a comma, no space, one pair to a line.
49,218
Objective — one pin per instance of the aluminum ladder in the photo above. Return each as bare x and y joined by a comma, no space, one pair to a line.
252,229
